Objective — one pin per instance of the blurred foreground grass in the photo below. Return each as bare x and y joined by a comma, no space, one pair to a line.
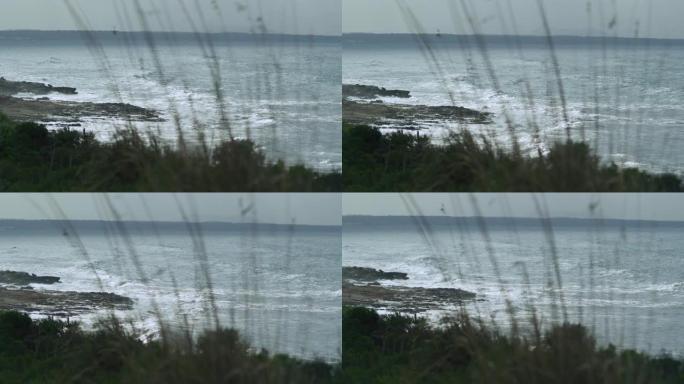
52,351
34,159
401,162
401,349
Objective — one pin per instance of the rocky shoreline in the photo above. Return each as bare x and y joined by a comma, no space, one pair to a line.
370,274
372,92
360,288
64,113
373,111
71,112
60,303
18,295
23,278
11,88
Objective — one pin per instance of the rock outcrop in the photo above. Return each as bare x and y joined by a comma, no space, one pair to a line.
58,303
360,288
23,278
372,111
71,112
403,299
9,88
404,116
16,294
371,92
370,274
65,113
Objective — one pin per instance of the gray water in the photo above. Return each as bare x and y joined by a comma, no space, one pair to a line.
624,280
626,97
278,285
283,92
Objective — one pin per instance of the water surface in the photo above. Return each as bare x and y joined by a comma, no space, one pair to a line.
278,285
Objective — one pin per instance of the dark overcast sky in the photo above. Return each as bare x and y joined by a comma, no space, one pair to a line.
277,208
321,17
666,207
656,18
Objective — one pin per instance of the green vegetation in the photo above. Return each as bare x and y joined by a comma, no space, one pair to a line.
397,349
400,162
34,159
51,351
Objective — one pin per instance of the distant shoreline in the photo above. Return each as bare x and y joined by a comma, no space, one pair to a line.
181,225
507,38
236,36
394,220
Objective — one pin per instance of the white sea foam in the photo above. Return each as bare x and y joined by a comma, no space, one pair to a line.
301,107
628,100
617,291
250,281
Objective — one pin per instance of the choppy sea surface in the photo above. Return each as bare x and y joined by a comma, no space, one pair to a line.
625,97
624,280
278,285
281,91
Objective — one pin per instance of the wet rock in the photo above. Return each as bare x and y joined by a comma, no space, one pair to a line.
403,299
23,278
9,88
371,91
57,303
71,112
370,274
404,116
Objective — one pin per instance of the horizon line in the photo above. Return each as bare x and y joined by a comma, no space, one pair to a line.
509,35
521,217
166,222
181,32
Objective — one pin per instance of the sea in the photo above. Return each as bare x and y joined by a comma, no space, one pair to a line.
281,91
624,280
278,285
625,97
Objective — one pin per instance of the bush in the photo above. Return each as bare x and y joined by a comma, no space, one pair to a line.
52,351
402,349
402,162
34,159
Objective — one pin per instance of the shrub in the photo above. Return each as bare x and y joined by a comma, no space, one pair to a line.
403,162
34,159
404,349
52,351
